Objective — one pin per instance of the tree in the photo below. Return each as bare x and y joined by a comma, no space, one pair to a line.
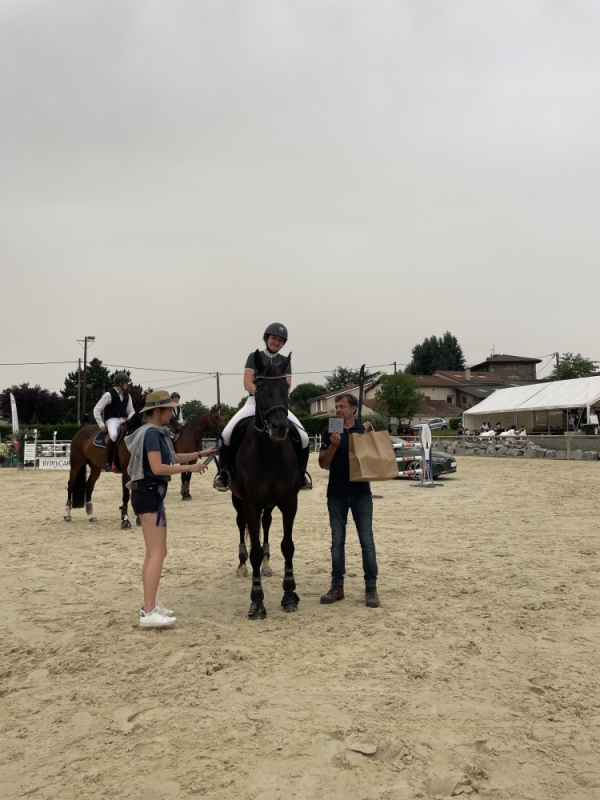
573,366
399,395
300,396
34,405
98,381
342,376
434,353
192,409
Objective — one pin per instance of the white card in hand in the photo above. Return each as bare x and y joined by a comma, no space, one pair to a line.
336,425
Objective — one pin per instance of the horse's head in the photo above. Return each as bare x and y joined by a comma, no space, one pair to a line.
215,420
271,395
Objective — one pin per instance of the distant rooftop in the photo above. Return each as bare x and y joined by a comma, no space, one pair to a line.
506,359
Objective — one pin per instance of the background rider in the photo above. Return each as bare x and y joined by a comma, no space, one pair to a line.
111,411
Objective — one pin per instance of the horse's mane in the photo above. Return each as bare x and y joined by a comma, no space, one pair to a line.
271,371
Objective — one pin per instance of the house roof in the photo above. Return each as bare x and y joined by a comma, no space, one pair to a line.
503,358
349,388
481,391
460,376
438,408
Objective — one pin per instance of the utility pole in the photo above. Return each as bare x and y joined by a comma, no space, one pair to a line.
218,391
395,370
79,393
557,366
86,339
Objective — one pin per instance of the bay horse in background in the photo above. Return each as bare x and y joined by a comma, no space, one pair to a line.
190,438
265,474
84,453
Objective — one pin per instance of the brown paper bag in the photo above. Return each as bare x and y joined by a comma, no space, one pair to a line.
372,457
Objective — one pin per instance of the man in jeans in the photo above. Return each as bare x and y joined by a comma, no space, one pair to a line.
343,496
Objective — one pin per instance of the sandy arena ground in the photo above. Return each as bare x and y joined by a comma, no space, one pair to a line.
478,675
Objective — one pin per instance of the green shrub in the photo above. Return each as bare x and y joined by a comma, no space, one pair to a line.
454,421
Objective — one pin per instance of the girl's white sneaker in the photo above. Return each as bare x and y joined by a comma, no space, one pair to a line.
155,619
161,608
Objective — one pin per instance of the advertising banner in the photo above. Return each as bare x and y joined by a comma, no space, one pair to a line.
54,463
15,416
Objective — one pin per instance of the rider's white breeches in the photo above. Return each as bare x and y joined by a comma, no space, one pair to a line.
113,424
248,411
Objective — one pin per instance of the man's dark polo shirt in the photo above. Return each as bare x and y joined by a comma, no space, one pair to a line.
339,471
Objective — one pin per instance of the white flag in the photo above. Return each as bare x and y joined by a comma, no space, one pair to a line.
15,416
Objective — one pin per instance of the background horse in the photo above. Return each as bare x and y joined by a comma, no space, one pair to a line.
84,453
190,439
266,475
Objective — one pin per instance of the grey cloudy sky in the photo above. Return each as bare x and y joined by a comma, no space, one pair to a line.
177,174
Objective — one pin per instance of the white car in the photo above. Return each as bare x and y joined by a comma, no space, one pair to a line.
435,423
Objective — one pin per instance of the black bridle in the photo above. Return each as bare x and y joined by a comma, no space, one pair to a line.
261,412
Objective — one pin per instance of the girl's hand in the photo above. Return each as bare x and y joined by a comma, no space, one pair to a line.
208,452
197,468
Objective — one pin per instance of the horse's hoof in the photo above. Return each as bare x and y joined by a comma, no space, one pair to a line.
187,497
242,571
290,602
67,519
125,525
92,519
257,612
266,572
138,522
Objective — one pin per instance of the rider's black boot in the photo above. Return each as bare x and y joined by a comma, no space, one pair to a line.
221,481
110,451
302,454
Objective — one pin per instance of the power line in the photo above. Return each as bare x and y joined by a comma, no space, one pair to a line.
36,363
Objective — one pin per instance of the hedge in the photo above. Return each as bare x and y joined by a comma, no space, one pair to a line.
65,431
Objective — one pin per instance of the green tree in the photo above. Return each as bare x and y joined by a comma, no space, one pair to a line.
341,376
573,366
192,409
34,405
436,353
300,396
399,395
98,381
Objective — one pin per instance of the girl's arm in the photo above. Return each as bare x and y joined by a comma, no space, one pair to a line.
185,458
158,468
249,380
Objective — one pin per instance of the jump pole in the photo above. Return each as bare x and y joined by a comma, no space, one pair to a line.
426,481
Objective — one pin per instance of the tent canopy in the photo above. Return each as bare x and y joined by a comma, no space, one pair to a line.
575,393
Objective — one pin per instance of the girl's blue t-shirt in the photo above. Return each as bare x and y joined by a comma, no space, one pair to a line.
154,441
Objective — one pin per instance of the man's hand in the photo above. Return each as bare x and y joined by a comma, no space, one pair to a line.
367,426
326,456
335,439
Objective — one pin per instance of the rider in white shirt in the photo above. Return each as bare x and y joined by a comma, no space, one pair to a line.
111,411
177,413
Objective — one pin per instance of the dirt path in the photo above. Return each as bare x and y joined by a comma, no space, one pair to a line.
478,675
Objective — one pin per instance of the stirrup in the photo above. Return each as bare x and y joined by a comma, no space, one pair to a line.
305,482
108,467
219,485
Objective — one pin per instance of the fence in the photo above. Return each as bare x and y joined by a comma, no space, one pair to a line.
574,448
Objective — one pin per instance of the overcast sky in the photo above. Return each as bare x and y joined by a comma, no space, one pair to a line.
175,175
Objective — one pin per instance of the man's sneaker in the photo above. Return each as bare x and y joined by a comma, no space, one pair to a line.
371,597
155,620
161,608
305,482
219,484
334,594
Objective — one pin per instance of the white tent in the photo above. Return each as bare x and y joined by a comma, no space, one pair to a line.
553,406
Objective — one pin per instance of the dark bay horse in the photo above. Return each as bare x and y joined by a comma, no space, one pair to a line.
190,440
266,475
84,453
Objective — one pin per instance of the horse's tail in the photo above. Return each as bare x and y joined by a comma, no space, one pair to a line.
78,491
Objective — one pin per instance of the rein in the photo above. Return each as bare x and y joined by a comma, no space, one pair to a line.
264,414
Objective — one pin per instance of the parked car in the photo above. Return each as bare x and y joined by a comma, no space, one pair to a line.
435,423
443,464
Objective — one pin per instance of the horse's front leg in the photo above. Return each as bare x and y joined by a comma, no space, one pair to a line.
257,607
290,599
267,518
242,570
186,477
125,523
89,490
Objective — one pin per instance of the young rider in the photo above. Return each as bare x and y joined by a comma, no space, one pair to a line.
176,398
275,336
117,407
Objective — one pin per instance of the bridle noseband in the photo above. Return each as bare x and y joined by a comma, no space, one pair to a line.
264,414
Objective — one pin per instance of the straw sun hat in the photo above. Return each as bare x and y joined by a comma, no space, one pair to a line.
159,399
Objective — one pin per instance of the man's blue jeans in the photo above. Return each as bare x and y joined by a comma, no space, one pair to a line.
361,507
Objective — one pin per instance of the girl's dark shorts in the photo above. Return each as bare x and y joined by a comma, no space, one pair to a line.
144,495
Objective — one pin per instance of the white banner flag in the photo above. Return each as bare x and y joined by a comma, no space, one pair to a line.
15,417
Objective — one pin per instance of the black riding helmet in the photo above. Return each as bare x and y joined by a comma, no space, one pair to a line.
276,329
174,395
121,377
